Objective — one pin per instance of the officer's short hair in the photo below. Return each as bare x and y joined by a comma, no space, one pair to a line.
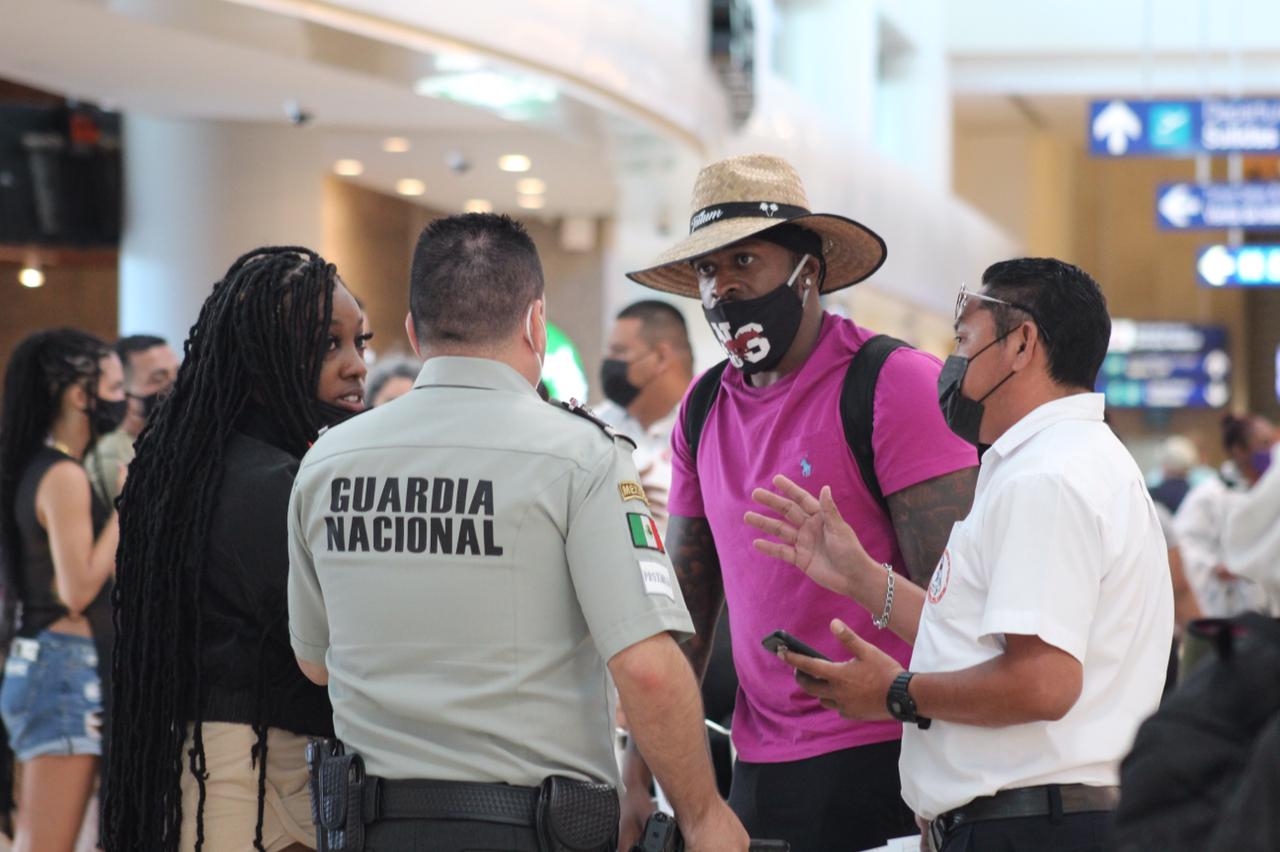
473,278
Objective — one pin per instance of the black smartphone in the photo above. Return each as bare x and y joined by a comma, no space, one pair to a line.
781,638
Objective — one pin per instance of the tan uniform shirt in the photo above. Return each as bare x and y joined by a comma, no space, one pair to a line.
465,560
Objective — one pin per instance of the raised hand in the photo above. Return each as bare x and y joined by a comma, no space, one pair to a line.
810,534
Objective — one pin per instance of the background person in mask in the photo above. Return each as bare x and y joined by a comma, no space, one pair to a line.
1202,518
467,563
1042,640
150,366
759,259
62,389
212,713
646,370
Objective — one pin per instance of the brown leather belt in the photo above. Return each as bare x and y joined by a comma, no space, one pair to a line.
1046,800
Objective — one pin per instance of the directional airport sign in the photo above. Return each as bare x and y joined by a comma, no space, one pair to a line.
1239,266
1188,206
1184,128
1165,365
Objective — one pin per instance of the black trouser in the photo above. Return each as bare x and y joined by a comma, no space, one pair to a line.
848,799
1070,833
437,835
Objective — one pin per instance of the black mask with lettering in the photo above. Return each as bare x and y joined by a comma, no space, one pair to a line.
756,333
964,415
107,414
617,388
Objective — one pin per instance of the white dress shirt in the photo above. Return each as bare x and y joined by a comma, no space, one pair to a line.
1062,543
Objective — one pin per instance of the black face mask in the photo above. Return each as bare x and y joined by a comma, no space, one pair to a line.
615,384
964,415
107,415
148,402
329,414
756,333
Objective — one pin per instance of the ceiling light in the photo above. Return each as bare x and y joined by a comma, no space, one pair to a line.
31,277
458,61
410,186
531,186
488,89
477,205
531,202
348,168
514,163
395,144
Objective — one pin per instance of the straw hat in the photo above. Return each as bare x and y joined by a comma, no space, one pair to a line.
742,196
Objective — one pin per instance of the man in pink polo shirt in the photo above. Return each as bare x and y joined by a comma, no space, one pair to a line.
759,259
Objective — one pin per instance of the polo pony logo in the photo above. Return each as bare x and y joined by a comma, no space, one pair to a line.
769,208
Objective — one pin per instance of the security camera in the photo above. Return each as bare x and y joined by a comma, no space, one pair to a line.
457,162
297,116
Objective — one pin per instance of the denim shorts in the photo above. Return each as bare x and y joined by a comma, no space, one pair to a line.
51,698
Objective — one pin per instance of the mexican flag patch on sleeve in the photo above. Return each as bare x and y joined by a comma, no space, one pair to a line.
644,532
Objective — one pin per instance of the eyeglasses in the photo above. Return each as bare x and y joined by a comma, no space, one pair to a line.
965,295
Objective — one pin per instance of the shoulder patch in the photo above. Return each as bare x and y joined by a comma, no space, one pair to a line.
575,407
632,490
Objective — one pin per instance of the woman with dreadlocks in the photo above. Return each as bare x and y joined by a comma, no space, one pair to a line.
62,389
212,712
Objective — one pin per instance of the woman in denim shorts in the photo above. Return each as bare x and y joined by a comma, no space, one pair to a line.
63,389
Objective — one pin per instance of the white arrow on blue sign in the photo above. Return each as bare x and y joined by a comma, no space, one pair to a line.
1187,206
1184,128
1239,266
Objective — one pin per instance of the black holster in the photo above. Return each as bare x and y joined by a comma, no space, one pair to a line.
576,816
337,796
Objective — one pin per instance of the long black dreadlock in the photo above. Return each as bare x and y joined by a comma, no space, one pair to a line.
261,338
41,367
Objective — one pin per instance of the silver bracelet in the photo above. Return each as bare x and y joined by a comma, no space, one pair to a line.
882,621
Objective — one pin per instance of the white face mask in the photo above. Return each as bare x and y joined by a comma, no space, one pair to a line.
528,336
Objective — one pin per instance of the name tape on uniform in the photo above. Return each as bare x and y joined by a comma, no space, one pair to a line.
657,579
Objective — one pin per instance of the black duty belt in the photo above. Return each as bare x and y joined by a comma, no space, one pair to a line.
1047,800
386,798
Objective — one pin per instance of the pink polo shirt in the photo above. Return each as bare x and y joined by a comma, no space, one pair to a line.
793,427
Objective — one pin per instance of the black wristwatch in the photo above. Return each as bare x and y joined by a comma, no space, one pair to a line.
901,705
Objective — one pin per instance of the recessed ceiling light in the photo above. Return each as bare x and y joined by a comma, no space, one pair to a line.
31,277
348,168
531,202
477,205
395,144
514,163
410,186
531,186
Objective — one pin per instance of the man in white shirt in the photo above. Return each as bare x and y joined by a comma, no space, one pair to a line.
646,370
1041,642
1201,520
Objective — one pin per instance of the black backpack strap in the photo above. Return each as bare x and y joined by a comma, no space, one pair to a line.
858,406
698,408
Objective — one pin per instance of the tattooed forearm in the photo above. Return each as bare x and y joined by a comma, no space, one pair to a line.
924,514
697,566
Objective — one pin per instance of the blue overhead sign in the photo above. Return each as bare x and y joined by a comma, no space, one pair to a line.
1119,128
1239,266
1187,206
1166,365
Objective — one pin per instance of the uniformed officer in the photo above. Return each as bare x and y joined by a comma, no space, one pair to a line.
467,565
